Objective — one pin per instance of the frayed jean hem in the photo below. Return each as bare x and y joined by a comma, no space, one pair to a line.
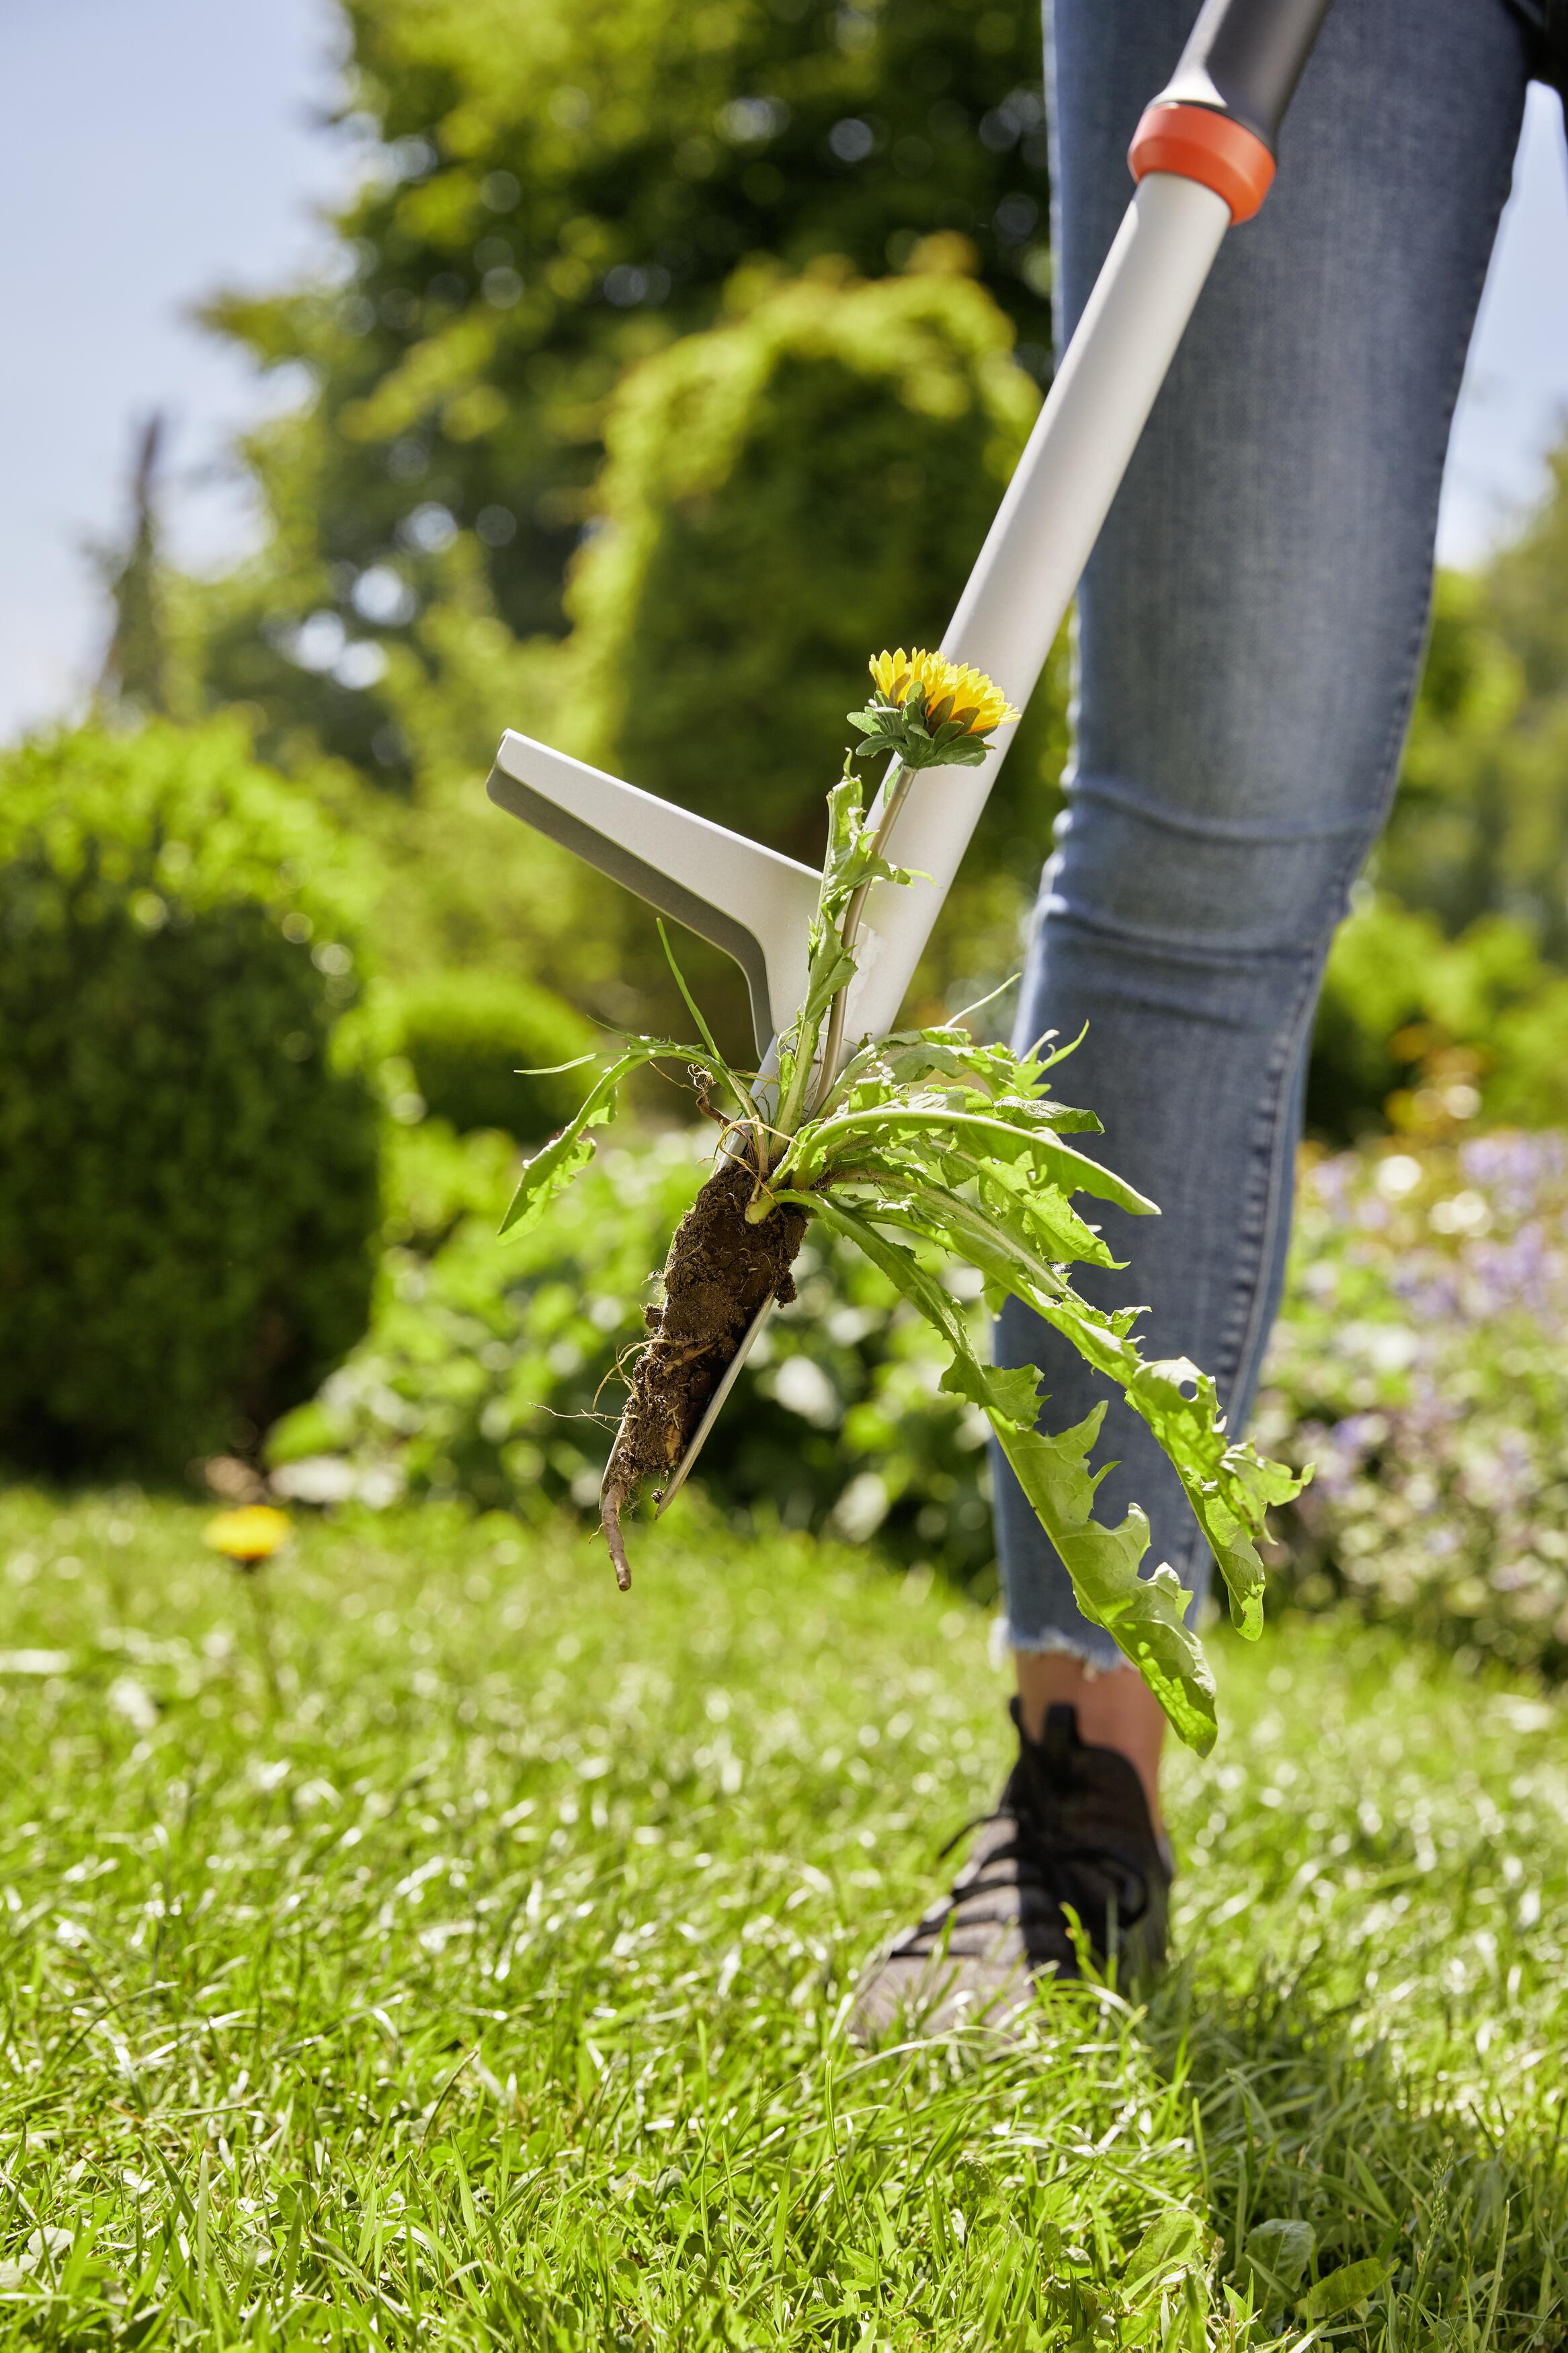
1096,1658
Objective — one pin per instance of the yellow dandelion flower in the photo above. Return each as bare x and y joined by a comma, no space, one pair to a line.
929,711
894,675
956,691
248,1535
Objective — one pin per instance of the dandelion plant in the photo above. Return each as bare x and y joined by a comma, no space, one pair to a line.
922,1141
248,1537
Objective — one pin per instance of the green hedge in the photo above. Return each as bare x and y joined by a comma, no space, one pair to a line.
189,1179
472,1038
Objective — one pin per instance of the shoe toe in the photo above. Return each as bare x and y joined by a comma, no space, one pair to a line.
934,1992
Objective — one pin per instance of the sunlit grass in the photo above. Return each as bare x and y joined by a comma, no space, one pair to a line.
490,1992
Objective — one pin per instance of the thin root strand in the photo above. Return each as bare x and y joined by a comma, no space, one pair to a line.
610,1521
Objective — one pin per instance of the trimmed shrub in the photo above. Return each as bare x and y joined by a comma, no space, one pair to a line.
783,495
188,1172
469,1036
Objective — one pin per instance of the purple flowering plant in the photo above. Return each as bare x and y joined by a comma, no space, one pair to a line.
1421,1364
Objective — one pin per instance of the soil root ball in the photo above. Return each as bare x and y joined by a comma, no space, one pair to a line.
719,1271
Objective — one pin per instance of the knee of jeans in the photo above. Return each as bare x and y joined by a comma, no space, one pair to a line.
1175,880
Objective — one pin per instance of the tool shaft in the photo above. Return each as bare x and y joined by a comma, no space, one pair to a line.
1036,549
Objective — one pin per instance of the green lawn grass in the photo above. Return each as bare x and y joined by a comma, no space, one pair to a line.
490,1991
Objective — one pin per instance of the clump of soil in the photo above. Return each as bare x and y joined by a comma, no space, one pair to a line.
719,1271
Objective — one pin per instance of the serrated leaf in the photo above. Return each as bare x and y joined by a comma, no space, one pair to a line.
970,1232
1030,1112
897,1261
1144,1615
1036,1212
1229,1486
831,969
1042,1216
1012,1391
842,814
907,1058
555,1164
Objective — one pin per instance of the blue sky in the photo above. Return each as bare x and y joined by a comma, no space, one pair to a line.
156,148
153,149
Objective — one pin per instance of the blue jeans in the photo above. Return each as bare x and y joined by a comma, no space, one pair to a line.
1249,634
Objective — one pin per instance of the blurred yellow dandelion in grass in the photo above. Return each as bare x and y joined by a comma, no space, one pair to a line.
248,1535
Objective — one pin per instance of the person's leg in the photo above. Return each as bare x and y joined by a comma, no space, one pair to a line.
1249,635
1249,630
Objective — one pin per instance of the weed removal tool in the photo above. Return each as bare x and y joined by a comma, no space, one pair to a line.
1202,158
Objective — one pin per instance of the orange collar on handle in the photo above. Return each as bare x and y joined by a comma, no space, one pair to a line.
1195,143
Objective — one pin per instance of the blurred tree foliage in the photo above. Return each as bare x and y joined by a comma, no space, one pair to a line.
135,675
783,494
1481,824
1445,999
1429,1034
558,193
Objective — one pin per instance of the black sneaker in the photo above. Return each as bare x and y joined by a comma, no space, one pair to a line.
1072,1828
